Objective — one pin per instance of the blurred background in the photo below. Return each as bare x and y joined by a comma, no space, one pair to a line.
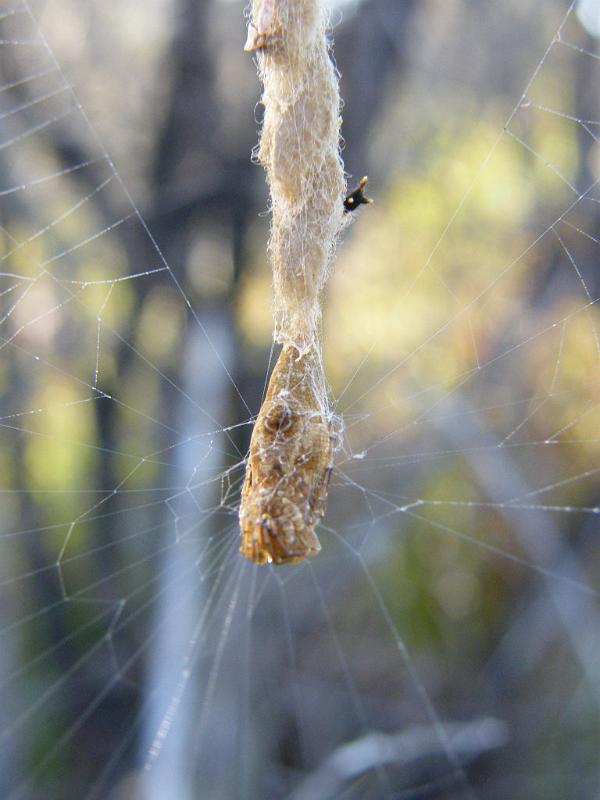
446,642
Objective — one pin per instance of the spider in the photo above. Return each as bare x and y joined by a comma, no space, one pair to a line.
357,197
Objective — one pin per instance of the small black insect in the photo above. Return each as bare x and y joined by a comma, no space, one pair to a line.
357,196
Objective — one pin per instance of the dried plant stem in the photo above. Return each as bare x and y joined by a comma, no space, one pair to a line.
290,459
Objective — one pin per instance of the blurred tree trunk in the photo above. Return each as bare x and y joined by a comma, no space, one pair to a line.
199,189
27,553
10,695
183,593
370,51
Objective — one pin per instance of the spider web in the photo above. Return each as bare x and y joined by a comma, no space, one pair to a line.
445,642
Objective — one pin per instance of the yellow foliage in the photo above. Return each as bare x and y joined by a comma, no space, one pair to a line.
60,454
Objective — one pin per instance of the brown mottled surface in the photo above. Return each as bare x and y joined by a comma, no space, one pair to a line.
288,469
